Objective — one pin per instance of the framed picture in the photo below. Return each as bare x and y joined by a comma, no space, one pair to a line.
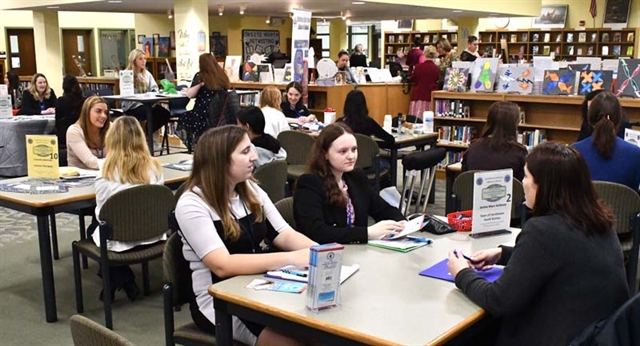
616,13
172,40
140,38
155,38
163,47
551,16
218,44
404,24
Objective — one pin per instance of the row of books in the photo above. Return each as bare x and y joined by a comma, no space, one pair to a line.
451,158
461,135
532,138
452,108
581,37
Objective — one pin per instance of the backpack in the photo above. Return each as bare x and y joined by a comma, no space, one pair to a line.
223,109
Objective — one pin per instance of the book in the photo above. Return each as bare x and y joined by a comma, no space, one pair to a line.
426,39
534,50
392,39
605,37
514,38
616,50
570,50
491,38
617,37
590,50
546,50
630,51
524,37
401,39
440,271
293,273
579,51
630,37
570,37
594,37
547,37
605,50
632,136
535,38
559,38
582,37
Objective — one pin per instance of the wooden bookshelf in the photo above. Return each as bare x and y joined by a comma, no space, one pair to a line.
402,41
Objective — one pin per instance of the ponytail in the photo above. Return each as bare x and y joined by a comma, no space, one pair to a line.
604,136
604,115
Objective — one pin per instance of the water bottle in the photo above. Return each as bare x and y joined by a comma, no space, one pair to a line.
400,122
427,117
387,123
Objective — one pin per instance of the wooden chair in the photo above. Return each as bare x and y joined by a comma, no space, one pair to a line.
298,146
272,178
285,208
369,159
135,214
625,204
87,332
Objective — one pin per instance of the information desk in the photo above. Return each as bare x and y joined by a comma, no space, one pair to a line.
13,149
385,303
43,206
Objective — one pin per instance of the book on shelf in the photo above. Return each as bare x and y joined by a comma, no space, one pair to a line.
546,50
401,39
590,50
451,108
570,50
557,50
616,50
594,37
569,37
491,38
426,39
582,37
605,50
605,37
524,37
559,38
392,39
456,135
630,51
579,51
617,37
630,37
535,38
389,49
454,38
532,138
547,37
534,50
514,38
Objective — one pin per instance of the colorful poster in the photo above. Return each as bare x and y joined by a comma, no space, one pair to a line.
515,79
163,47
628,83
484,74
559,82
147,47
455,79
232,67
594,80
42,156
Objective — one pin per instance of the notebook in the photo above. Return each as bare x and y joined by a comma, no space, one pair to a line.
440,271
303,274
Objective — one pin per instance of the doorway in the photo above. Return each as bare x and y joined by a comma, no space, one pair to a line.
21,51
76,46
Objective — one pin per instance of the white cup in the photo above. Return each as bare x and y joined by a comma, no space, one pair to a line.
329,117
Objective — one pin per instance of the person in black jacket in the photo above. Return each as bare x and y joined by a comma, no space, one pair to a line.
293,108
333,202
68,108
357,57
566,269
39,98
14,89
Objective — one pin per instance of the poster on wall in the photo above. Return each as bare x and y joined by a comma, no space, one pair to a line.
163,47
147,47
186,52
262,42
551,16
300,34
218,44
616,14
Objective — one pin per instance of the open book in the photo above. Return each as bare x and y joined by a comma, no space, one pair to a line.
293,273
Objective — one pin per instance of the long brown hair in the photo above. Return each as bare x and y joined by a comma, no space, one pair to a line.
501,130
565,187
318,164
33,89
84,122
211,161
212,74
271,97
604,115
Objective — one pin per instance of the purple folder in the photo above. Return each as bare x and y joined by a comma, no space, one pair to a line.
440,271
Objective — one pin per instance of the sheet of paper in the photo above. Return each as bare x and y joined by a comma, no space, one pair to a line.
345,273
410,226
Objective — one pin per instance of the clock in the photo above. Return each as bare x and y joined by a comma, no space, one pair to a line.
501,22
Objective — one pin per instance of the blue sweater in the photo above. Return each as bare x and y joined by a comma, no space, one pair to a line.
623,167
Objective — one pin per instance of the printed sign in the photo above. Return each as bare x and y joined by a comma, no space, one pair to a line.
492,198
126,83
42,156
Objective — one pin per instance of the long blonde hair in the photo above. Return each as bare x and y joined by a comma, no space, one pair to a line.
129,159
84,122
34,90
271,97
139,82
210,173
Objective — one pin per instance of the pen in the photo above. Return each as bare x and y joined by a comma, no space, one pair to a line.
420,240
294,272
465,257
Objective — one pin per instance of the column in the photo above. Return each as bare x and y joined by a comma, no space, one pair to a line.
467,26
48,46
191,20
338,38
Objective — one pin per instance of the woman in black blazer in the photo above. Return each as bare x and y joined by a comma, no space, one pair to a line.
333,202
39,98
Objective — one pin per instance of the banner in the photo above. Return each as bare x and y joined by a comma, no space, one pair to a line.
300,34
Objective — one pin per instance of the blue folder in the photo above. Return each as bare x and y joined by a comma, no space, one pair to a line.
440,271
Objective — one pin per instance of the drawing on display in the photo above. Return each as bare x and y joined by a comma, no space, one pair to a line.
455,79
484,74
594,80
628,78
518,79
262,42
559,82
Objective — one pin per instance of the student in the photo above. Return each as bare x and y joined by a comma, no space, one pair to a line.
415,55
425,80
209,87
39,98
86,138
585,128
144,82
566,269
293,108
129,165
358,59
224,216
333,202
497,147
68,108
275,121
609,157
471,53
14,88
265,146
343,66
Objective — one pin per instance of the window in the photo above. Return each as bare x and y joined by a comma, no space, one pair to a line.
359,34
114,47
322,32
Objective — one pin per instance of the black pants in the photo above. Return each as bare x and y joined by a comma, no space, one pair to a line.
160,115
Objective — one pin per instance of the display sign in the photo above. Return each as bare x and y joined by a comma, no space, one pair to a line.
492,198
42,156
126,82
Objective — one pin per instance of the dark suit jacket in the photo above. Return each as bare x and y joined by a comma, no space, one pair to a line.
31,106
326,223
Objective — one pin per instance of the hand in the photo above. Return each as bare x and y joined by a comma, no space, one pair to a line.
311,118
383,228
484,259
300,258
49,110
456,262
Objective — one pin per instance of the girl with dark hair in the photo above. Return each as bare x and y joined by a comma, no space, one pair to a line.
333,202
356,116
266,147
292,106
12,80
497,147
566,269
609,157
39,98
68,108
585,128
224,217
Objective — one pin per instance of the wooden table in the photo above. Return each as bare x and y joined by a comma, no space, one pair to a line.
385,303
43,206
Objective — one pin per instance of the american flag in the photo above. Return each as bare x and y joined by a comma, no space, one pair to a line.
593,9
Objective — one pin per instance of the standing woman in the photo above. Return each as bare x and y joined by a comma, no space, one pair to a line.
86,138
143,82
498,146
566,270
68,108
275,121
12,80
333,202
39,98
447,56
224,216
129,164
293,108
266,146
425,80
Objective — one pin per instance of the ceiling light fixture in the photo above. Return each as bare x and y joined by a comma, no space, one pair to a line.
348,21
457,11
169,14
53,7
268,21
242,8
357,3
344,17
114,1
220,10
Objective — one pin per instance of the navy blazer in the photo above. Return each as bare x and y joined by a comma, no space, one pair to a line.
325,223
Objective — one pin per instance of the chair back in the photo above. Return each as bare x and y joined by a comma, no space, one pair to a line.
272,178
176,271
138,213
621,328
624,202
178,104
368,151
87,332
463,189
298,146
285,208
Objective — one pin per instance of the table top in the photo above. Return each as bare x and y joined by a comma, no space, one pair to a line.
386,301
406,137
20,118
87,192
147,97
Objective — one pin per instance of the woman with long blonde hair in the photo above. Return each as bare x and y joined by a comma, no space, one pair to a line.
275,121
223,218
129,164
86,138
38,98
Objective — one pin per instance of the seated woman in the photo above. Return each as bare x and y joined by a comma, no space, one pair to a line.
275,121
293,108
585,128
223,217
14,88
265,146
86,138
497,147
356,116
333,202
608,157
566,269
129,164
39,98
68,108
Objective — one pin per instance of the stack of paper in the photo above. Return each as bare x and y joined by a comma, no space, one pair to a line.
292,273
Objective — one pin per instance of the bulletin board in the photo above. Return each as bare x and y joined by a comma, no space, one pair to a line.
259,41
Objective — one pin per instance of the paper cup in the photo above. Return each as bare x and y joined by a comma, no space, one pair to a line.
329,117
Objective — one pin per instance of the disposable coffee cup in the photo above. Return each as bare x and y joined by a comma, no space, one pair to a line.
329,117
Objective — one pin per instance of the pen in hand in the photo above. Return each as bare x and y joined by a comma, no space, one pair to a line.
465,257
294,272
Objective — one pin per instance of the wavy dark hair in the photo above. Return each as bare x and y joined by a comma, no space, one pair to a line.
318,164
298,87
14,81
71,87
565,187
254,118
605,113
501,130
355,111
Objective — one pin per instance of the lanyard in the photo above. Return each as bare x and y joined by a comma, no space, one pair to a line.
250,230
351,214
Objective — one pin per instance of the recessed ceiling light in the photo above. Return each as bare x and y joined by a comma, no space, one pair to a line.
457,11
52,7
114,1
357,3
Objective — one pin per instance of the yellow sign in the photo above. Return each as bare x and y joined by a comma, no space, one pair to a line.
42,156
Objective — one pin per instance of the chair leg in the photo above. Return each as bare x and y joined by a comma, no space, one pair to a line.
165,139
169,323
106,294
83,236
54,237
77,278
145,277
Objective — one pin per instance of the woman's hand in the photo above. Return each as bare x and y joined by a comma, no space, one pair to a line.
49,110
311,118
456,262
485,259
383,228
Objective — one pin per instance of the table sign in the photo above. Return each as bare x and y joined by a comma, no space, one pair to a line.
325,264
632,136
5,107
126,83
492,198
42,156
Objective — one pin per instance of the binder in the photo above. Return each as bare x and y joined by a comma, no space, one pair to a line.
440,271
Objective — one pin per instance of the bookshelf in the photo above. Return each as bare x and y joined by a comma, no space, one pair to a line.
158,68
402,41
86,83
567,44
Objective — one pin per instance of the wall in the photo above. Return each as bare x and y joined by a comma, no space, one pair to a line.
232,26
149,24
